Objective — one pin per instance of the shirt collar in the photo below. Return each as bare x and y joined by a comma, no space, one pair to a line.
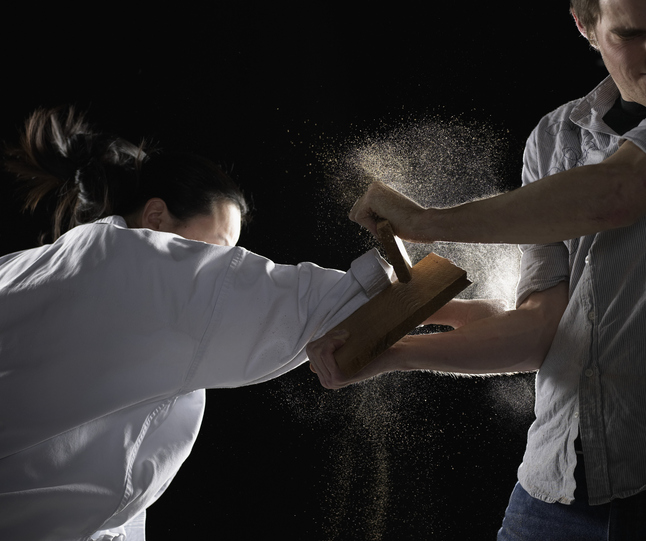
589,112
113,220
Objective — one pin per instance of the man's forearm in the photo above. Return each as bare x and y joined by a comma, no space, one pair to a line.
577,202
499,344
514,341
459,312
570,204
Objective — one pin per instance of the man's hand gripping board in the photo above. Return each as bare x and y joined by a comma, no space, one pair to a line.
419,291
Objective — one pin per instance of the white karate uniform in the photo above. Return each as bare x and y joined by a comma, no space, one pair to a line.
108,338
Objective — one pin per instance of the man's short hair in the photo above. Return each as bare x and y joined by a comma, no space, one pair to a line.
588,12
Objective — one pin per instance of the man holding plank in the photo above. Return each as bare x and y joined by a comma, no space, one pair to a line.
580,316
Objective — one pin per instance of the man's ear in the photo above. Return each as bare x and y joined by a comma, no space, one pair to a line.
156,216
583,31
579,25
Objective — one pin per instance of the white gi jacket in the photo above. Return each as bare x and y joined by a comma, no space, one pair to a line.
108,338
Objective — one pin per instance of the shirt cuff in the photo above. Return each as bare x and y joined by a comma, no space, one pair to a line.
542,266
636,136
372,272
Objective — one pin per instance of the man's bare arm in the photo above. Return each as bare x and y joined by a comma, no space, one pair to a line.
570,204
513,341
459,312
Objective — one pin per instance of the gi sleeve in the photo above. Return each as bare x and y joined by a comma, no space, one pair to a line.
265,314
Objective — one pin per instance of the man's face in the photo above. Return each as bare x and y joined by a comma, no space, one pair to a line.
621,37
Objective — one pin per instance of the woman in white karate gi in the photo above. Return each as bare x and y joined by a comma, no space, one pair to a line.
110,334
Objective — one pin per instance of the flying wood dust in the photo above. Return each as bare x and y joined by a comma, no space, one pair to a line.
438,163
388,437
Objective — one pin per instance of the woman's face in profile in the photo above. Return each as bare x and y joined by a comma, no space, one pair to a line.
221,227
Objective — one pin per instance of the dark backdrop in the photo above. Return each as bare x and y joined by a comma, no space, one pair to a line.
284,96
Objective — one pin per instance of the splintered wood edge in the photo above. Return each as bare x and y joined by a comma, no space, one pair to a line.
397,310
394,251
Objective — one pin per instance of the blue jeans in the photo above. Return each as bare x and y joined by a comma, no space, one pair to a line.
530,519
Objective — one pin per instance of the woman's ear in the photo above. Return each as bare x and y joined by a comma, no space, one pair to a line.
156,216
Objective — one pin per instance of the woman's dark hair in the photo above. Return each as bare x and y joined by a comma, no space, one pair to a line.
189,185
93,174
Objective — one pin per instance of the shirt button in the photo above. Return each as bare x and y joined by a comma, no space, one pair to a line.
576,414
587,260
589,372
591,316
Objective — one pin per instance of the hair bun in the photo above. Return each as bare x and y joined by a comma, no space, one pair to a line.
61,154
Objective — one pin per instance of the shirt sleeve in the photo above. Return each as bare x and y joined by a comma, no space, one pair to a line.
637,136
542,266
266,314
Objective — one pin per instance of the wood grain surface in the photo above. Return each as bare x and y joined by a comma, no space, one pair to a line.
397,310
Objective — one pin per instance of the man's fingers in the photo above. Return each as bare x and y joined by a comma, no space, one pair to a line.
380,201
321,355
362,211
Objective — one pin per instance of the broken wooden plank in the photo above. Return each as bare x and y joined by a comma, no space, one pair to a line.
397,310
395,251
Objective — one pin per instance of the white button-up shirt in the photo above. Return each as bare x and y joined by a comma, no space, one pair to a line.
593,380
108,338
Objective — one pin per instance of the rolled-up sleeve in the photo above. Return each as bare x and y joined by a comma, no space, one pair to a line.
636,136
542,266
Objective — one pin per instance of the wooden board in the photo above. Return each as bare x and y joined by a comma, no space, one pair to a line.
395,251
397,310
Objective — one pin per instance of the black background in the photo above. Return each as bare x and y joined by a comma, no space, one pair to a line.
274,92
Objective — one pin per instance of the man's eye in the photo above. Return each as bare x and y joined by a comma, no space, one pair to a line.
628,36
